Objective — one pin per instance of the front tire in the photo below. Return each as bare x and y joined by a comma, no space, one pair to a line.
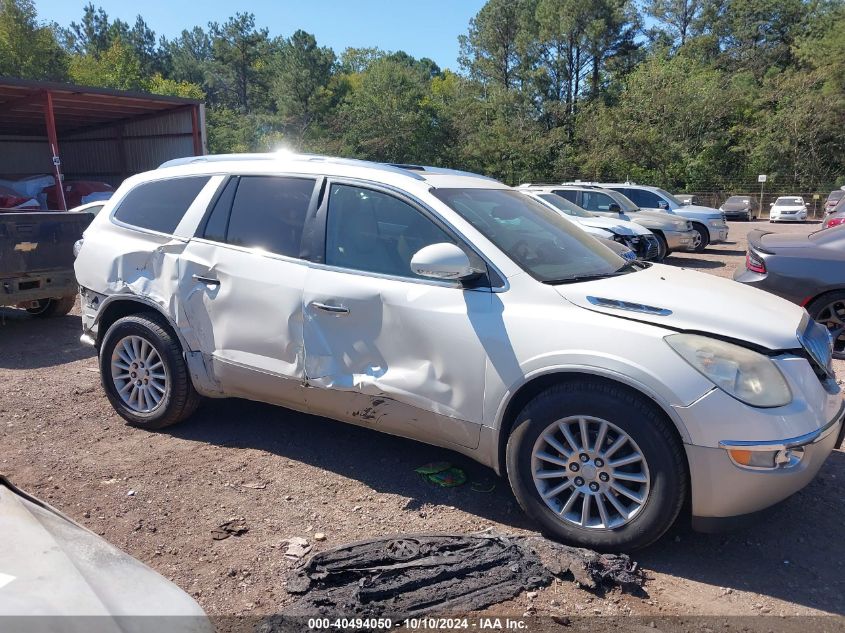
829,310
597,466
48,308
144,373
702,239
662,247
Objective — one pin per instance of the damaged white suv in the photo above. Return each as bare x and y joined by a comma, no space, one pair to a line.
447,307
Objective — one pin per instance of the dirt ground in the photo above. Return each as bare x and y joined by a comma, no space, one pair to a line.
159,495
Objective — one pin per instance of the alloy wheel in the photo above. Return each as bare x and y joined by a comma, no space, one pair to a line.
139,374
832,316
590,472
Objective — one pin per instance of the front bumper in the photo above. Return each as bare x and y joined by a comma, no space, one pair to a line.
718,232
723,490
679,240
790,217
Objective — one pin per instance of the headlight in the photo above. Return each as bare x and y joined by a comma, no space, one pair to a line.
715,222
77,246
748,376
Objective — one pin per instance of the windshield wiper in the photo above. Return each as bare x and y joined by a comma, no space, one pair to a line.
624,270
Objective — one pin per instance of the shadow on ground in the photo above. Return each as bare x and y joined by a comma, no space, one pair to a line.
790,553
383,462
40,342
689,262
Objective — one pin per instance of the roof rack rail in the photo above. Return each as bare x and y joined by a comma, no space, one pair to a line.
443,171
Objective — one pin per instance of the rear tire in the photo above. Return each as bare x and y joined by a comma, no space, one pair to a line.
703,237
660,467
53,307
144,374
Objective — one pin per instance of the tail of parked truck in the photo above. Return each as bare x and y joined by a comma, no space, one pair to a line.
36,260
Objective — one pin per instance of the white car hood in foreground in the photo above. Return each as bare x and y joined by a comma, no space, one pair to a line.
621,227
698,302
50,566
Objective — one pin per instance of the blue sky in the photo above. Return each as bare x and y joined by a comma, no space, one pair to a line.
426,28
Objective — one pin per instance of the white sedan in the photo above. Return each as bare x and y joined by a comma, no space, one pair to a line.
788,209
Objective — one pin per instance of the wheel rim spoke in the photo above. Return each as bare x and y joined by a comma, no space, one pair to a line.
611,492
139,374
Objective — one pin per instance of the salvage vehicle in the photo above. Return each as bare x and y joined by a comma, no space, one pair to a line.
672,233
450,308
744,207
58,568
788,209
708,224
36,260
636,237
805,269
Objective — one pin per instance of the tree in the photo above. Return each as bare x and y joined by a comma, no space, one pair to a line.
300,84
677,17
92,35
116,67
28,49
239,68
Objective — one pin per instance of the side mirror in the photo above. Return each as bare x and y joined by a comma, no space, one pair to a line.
442,261
614,207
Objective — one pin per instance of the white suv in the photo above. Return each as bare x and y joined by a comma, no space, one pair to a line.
450,308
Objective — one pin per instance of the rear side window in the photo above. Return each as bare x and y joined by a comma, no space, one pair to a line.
160,205
267,213
568,194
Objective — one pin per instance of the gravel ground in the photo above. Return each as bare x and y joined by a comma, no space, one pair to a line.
159,495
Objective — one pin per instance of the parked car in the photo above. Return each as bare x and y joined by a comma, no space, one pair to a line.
788,209
36,260
708,224
743,207
833,198
452,309
58,568
805,269
636,237
11,199
672,233
834,219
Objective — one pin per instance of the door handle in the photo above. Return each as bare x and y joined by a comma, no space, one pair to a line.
338,310
211,281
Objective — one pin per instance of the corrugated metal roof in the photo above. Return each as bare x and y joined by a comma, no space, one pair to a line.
77,108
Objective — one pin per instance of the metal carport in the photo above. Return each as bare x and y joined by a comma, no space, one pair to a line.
92,133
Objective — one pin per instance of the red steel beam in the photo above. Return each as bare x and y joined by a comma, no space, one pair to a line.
53,139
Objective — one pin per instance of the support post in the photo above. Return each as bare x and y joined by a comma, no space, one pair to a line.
195,130
53,140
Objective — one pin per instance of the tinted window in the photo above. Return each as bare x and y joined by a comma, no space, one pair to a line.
568,194
160,205
375,232
215,225
596,201
268,213
641,198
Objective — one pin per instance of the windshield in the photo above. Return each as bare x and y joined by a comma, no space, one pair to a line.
567,207
625,203
547,246
672,199
738,199
781,202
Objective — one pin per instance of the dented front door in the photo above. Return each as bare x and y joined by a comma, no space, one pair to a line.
401,356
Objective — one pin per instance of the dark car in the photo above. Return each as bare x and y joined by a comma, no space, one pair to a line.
806,269
833,199
745,207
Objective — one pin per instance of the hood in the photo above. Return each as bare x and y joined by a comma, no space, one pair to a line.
616,226
696,302
660,220
788,208
699,212
57,567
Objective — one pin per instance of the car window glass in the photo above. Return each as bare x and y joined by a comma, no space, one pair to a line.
596,201
268,213
160,204
215,226
376,232
567,194
642,198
